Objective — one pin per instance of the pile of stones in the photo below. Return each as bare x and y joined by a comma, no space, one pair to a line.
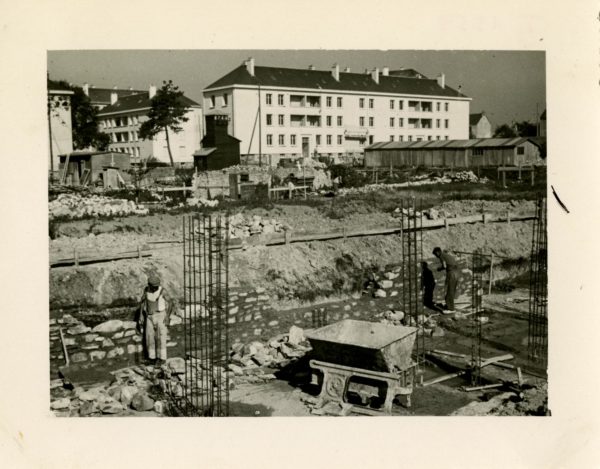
244,227
77,206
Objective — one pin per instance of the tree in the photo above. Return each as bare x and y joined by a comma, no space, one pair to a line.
504,131
84,119
167,112
526,129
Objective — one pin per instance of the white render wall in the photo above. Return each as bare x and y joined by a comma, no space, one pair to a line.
62,130
242,108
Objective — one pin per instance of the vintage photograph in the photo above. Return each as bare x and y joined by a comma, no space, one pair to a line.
297,233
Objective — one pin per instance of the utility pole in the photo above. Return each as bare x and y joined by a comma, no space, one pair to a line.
259,130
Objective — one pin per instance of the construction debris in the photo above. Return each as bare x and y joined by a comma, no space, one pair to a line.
76,206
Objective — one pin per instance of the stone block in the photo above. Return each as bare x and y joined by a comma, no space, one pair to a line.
250,299
273,323
259,290
380,294
234,310
142,402
69,341
386,284
110,326
296,335
97,355
106,342
131,348
90,347
130,332
79,357
79,329
231,320
115,352
175,320
58,404
118,335
263,298
129,324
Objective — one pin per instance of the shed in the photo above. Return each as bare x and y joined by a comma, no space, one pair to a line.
219,149
479,152
90,167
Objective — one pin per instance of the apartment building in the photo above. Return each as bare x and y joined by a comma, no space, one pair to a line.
122,120
103,97
61,129
285,112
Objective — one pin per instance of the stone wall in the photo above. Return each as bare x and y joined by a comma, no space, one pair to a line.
115,343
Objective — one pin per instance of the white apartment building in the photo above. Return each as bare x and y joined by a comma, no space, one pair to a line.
296,112
61,129
122,120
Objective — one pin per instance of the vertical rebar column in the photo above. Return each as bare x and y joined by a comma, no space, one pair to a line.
538,288
205,389
477,267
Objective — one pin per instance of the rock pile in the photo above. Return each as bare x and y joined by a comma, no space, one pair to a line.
243,227
77,206
467,176
201,202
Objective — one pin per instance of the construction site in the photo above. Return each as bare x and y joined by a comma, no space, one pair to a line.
305,303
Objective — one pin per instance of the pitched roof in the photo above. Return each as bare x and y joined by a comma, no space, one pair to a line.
321,79
473,142
137,101
57,86
102,95
475,118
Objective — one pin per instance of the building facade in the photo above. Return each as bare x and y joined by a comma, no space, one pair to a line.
480,126
60,124
283,112
122,121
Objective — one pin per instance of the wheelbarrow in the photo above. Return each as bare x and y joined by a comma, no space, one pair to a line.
369,360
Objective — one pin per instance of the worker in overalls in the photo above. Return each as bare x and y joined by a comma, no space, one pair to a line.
450,265
154,316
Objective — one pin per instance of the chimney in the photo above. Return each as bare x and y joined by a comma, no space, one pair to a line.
113,97
151,91
375,75
347,69
385,71
250,65
441,79
311,67
335,71
86,89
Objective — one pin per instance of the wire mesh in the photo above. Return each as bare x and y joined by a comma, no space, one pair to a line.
538,288
412,256
204,390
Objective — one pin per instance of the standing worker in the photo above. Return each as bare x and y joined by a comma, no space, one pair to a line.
428,285
155,312
449,264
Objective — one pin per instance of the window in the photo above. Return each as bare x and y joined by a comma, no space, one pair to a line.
329,140
437,123
225,100
477,151
370,139
361,121
400,105
391,104
371,121
269,119
361,102
339,102
446,107
339,139
391,122
281,140
318,139
437,107
371,103
520,150
400,138
328,120
410,138
328,101
292,140
419,139
212,101
339,121
269,139
437,137
280,119
400,122
391,138
429,137
269,99
446,137
280,99
445,123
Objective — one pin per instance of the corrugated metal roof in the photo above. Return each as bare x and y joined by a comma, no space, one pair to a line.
323,80
469,143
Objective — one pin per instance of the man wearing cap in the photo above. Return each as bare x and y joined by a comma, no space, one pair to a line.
155,309
450,264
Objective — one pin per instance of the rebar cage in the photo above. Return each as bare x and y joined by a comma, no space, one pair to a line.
412,256
538,288
478,266
205,384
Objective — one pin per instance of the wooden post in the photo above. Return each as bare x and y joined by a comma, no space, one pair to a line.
491,275
519,171
508,217
504,179
445,223
139,251
376,176
76,256
288,236
532,176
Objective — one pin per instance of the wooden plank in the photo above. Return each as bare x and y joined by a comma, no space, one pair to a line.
92,259
441,379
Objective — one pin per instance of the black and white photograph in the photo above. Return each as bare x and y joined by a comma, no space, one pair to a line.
297,233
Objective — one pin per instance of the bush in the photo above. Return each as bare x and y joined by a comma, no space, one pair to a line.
350,176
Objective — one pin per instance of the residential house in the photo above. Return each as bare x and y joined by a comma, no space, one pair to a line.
285,112
122,120
479,126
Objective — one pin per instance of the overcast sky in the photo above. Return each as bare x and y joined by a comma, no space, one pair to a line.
507,85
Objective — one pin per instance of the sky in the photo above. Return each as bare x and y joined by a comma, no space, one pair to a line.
507,85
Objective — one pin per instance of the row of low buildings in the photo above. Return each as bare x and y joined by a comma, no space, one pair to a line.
271,112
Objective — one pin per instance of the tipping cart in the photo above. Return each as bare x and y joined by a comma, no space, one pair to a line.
363,364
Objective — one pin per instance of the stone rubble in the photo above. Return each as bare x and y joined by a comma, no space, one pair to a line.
77,206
